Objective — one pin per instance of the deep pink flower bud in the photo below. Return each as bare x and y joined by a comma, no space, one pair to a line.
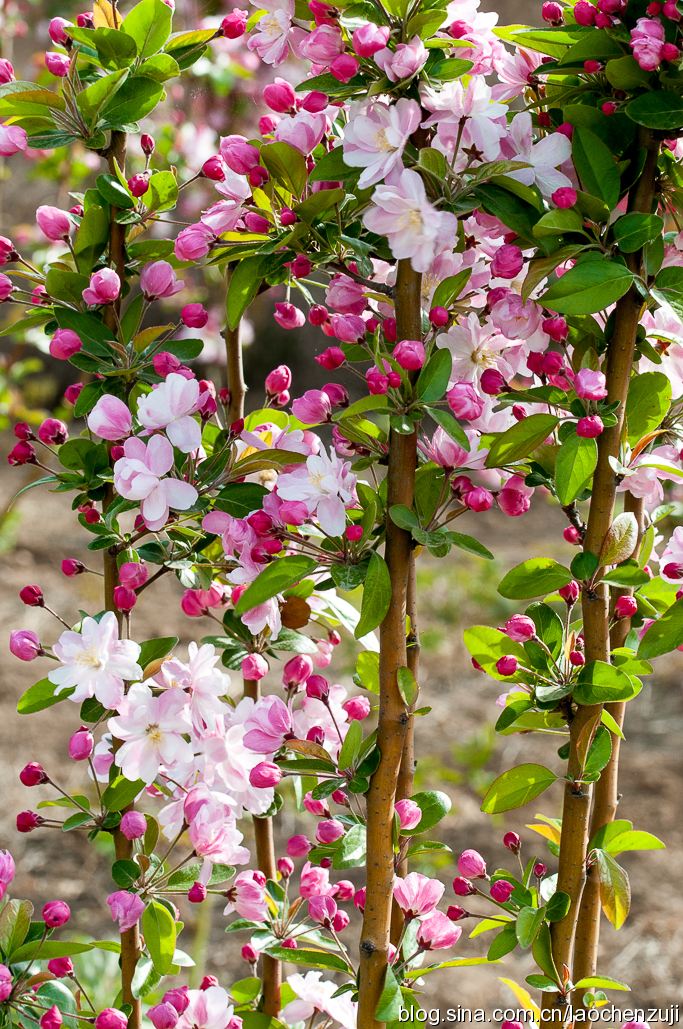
410,354
56,31
22,430
278,380
297,670
552,13
329,831
471,864
507,262
285,867
133,574
369,39
163,1016
288,217
298,846
463,887
111,1018
315,102
51,1019
316,734
249,954
300,267
147,144
318,314
501,890
540,869
464,401
520,628
572,535
60,967
556,327
456,913
254,666
178,997
104,288
492,382
234,24
56,913
576,658
670,52
288,316
8,252
409,813
64,344
197,893
570,592
24,644
72,566
478,499
53,432
322,909
6,71
584,13
265,775
609,107
507,665
589,427
357,708
27,821
279,95
257,177
512,841
625,607
54,223
564,197
124,599
317,687
344,67
213,169
81,745
32,596
239,155
57,64
73,392
164,363
6,285
32,774
194,316
439,316
133,825
138,184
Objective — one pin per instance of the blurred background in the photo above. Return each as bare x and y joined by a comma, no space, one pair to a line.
457,748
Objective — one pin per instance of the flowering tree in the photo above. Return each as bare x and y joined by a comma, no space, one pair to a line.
501,280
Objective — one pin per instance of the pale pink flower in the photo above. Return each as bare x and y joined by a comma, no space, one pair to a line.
247,896
125,908
13,140
170,406
417,895
474,348
214,834
139,475
671,561
484,119
54,223
544,157
403,62
326,484
413,227
302,130
110,418
514,72
317,995
270,37
267,727
590,385
438,932
207,1009
153,730
204,681
158,279
194,242
322,45
515,318
375,138
95,662
647,42
345,295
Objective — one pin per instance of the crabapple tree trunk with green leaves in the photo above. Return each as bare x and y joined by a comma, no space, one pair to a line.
503,290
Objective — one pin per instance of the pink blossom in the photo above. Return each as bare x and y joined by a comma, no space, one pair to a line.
671,561
315,994
345,295
313,408
417,895
590,385
104,288
152,729
7,870
247,896
464,401
409,814
13,140
53,223
375,138
288,316
647,42
403,62
138,475
544,157
170,406
326,484
158,279
268,726
515,497
303,130
471,864
438,932
369,38
270,37
515,318
6,983
410,354
413,227
194,242
64,344
125,908
24,644
213,831
110,418
95,662
314,881
322,45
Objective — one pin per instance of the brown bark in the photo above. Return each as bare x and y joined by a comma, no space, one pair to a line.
234,368
595,602
271,968
605,800
393,718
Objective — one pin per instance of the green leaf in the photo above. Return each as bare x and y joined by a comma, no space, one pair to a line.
596,166
657,110
390,1003
557,222
449,424
532,578
367,671
159,930
649,397
529,921
487,645
125,873
665,634
669,285
574,466
149,24
92,99
621,539
331,167
287,166
136,98
153,650
245,280
275,578
310,958
432,381
602,683
600,982
376,596
115,48
450,288
633,839
520,440
470,544
407,686
15,921
49,949
91,238
633,231
615,890
120,793
593,284
516,787
434,806
351,746
40,696
599,753
162,191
